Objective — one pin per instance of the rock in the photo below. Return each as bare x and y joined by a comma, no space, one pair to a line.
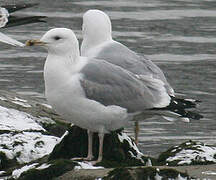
29,130
26,130
84,174
119,149
22,139
188,153
145,173
49,170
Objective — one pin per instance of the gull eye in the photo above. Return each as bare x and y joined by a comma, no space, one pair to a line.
57,37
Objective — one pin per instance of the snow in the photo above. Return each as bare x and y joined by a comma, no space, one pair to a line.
2,98
21,102
209,173
14,120
157,177
200,153
149,163
180,178
2,172
43,166
46,105
45,120
174,150
124,136
25,140
87,165
19,99
17,172
27,146
65,134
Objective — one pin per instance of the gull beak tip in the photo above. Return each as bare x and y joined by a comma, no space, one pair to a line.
29,43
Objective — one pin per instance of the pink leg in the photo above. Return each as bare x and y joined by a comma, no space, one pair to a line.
100,154
90,154
90,142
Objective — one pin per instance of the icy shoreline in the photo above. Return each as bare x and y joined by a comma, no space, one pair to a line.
33,146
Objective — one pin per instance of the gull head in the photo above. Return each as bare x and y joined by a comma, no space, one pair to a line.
96,26
4,14
59,41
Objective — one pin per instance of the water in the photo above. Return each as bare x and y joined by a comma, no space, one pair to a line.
178,35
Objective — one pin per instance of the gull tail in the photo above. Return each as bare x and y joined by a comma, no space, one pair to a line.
179,108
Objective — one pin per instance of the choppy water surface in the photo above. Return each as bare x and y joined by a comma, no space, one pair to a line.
178,35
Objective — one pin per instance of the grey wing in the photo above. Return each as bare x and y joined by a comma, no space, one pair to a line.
111,85
118,54
157,73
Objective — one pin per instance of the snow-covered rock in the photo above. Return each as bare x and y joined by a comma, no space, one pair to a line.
148,173
27,146
23,137
17,172
86,165
16,121
189,153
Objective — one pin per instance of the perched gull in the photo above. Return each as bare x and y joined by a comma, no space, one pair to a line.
92,93
98,43
7,20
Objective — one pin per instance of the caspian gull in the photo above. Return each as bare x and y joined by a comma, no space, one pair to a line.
98,43
91,93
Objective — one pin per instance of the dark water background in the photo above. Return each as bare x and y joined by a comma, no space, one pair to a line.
178,35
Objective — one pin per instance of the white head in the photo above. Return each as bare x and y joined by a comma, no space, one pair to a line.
96,27
58,41
4,14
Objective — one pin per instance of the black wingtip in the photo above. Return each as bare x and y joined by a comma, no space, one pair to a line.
193,115
180,106
184,103
16,7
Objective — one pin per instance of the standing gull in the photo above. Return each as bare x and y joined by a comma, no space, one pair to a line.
91,93
98,43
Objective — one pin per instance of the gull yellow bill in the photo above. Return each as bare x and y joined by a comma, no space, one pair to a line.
35,42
